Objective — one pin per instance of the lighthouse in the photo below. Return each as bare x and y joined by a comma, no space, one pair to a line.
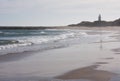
99,18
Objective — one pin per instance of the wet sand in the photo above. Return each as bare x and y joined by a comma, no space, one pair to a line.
84,62
109,58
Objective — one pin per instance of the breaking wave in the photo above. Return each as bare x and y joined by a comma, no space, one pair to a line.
47,37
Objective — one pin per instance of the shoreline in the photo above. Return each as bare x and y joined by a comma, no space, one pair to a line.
84,62
57,27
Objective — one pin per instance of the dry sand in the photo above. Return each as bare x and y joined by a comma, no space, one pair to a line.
90,73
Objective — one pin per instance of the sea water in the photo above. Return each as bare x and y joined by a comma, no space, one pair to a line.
20,40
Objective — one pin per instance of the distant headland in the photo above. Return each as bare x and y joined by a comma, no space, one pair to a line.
99,22
26,27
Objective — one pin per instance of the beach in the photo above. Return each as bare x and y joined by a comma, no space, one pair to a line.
92,56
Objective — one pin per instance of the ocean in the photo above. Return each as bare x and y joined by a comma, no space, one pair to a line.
14,41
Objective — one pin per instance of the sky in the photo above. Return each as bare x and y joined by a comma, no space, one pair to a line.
56,12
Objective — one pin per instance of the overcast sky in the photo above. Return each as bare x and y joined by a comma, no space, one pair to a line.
56,12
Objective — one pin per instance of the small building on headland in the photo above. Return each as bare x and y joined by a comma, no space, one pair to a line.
98,22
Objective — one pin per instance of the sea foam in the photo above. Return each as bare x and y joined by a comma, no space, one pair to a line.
43,38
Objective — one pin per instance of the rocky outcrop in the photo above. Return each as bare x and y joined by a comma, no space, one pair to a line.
98,23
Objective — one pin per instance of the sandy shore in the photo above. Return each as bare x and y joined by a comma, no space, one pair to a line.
89,73
82,62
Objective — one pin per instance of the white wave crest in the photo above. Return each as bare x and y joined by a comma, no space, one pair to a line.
42,39
39,40
3,47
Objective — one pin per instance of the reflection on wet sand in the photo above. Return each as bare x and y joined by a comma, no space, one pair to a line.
13,57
